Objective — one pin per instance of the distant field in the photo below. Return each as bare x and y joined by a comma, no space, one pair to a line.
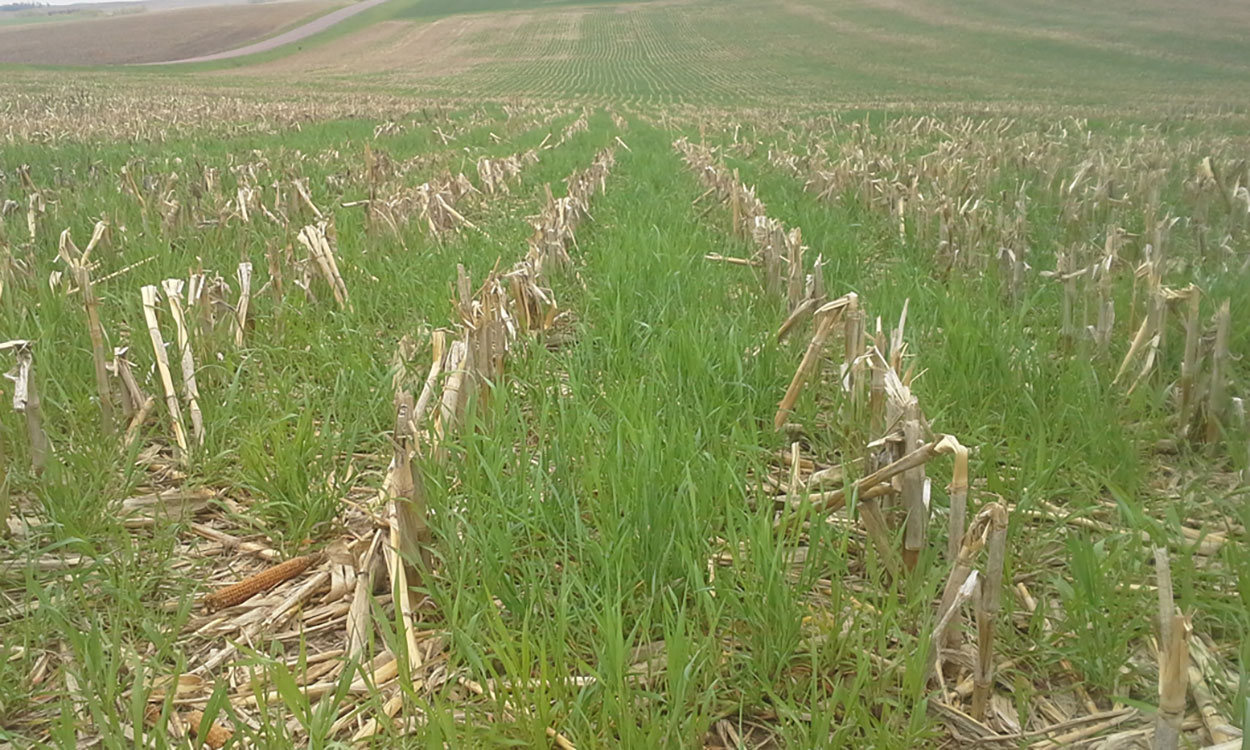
152,36
798,50
1122,55
41,16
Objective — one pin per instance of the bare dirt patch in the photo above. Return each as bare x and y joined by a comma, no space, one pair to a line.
827,15
408,49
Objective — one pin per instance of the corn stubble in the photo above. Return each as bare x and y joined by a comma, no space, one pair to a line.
918,200
900,432
361,598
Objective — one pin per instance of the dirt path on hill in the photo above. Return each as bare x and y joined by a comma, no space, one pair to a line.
294,35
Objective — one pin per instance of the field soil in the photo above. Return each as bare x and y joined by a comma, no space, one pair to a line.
409,49
153,36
